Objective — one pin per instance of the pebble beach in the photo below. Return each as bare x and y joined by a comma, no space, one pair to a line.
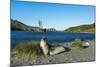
71,56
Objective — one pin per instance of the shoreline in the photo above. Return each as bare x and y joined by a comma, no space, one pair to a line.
74,55
53,31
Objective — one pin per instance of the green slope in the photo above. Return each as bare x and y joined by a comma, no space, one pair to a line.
16,25
82,28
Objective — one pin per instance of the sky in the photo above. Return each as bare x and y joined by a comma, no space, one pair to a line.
52,15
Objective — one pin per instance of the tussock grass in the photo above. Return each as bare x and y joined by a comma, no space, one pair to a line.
76,44
28,49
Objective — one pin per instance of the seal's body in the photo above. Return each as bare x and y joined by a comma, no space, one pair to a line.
44,46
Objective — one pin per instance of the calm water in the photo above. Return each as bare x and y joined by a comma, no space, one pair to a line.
19,36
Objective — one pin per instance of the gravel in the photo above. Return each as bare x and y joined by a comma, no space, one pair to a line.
74,55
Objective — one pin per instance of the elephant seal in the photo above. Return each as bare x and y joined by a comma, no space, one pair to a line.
57,50
44,46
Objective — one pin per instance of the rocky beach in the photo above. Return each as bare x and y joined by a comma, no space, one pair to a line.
68,56
51,33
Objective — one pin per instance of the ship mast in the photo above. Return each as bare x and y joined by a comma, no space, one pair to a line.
40,25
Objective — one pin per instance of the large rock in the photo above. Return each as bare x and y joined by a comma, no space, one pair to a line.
85,44
57,50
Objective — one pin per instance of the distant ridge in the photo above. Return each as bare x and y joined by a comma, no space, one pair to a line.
82,28
16,25
19,26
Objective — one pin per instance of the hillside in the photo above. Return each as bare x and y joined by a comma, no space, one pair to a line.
82,28
19,26
16,25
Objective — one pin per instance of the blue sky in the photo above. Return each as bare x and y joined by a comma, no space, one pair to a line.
59,16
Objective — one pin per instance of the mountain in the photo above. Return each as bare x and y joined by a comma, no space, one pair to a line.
17,25
82,28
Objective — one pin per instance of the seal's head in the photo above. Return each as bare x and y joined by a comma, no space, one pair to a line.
45,39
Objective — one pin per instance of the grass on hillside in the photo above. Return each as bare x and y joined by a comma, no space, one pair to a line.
90,28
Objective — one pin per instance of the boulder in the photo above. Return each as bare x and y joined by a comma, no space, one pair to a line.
85,44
